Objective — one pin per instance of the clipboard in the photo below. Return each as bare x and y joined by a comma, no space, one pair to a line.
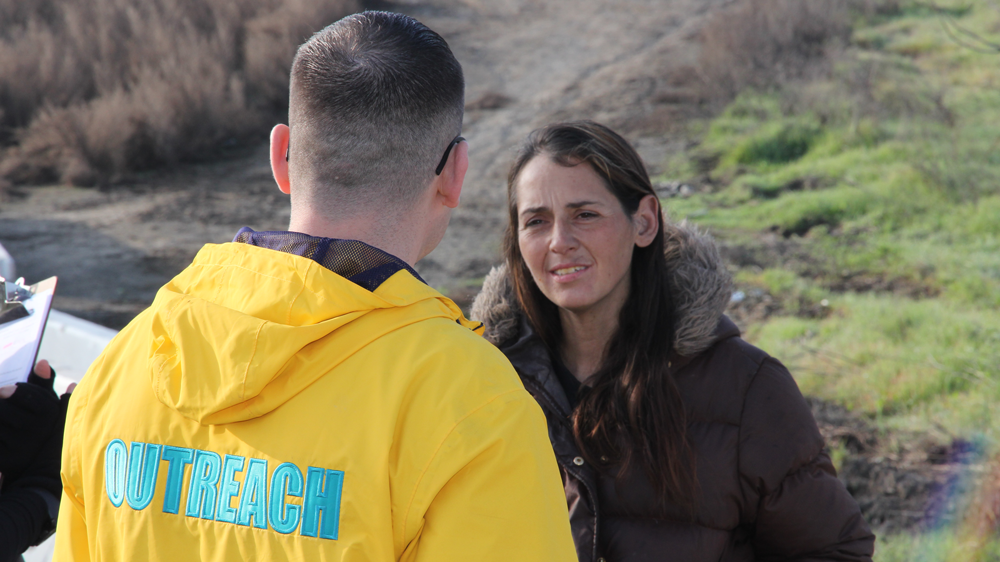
24,311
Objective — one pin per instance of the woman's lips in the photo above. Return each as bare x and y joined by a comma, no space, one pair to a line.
567,273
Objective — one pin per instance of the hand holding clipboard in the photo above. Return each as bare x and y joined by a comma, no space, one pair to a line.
31,447
24,310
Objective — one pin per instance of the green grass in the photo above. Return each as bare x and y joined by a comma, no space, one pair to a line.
894,193
885,181
922,361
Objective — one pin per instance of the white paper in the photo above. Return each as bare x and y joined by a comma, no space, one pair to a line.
19,339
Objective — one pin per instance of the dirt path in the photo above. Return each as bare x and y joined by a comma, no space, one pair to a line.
526,63
529,63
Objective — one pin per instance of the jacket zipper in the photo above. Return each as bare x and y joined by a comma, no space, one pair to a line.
550,403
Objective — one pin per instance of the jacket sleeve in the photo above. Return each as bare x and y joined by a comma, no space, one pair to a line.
22,515
798,508
497,493
71,533
72,541
31,424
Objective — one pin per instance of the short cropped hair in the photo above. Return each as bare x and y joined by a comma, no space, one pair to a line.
375,99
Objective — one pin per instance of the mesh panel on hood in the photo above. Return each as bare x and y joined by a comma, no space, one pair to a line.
363,265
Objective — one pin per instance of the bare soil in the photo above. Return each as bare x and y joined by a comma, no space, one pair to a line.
626,63
526,63
907,481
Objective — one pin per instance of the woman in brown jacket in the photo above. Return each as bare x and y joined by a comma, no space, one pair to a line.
677,439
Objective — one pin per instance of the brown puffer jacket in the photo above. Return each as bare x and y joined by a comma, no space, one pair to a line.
768,490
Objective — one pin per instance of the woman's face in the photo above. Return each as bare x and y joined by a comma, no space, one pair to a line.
575,237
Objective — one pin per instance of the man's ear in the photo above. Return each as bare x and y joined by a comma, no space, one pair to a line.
453,175
645,221
279,157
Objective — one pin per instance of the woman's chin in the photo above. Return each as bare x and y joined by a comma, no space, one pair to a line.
573,301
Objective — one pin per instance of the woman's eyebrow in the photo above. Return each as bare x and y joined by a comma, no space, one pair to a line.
533,210
542,209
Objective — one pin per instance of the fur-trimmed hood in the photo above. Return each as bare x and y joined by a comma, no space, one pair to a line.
699,281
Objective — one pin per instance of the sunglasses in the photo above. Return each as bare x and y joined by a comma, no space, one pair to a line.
447,151
440,166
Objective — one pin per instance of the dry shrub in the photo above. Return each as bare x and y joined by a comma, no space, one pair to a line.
273,37
91,90
797,47
764,43
871,86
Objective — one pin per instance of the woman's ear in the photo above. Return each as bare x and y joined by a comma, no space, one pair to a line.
645,221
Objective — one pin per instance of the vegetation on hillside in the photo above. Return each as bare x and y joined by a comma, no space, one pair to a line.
94,89
863,202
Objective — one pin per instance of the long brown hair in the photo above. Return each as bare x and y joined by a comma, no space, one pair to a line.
633,415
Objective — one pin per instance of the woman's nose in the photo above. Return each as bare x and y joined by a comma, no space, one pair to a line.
563,239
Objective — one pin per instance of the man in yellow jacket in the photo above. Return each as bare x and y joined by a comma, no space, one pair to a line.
304,395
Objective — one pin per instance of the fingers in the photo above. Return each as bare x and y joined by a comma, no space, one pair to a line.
7,391
43,375
42,369
70,388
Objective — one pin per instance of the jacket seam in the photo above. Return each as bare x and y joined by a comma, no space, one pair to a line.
759,362
571,471
670,520
79,414
791,473
253,353
593,499
713,422
423,472
291,305
159,384
550,401
694,355
739,434
231,265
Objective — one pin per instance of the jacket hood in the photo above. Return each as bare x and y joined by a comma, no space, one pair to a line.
699,282
232,334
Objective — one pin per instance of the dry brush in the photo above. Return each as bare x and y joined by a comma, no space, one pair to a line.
91,90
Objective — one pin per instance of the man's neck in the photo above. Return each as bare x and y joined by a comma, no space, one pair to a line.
367,229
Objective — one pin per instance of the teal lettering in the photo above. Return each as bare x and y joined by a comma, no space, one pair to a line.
204,477
143,466
286,481
177,460
322,496
115,467
131,474
228,488
253,501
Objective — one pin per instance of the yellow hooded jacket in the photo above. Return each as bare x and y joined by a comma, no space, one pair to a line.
265,407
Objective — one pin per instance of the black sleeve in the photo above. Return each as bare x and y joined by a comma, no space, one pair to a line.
31,424
23,515
27,420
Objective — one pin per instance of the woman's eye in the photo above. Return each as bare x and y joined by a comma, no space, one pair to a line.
587,215
532,222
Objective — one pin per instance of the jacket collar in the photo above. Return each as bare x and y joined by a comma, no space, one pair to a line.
531,357
725,329
362,264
